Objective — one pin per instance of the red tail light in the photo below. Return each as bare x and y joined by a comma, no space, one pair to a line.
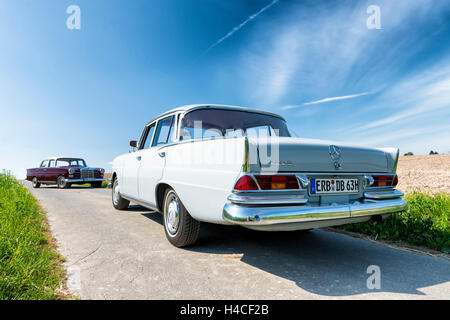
277,182
267,182
246,183
385,180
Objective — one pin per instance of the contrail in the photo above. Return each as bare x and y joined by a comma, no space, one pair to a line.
328,100
238,27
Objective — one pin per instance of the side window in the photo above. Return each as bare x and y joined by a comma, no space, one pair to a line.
148,139
62,163
44,164
163,131
52,163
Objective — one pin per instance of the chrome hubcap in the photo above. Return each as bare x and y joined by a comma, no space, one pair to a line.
172,215
116,193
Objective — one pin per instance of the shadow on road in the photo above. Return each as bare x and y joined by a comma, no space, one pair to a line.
322,262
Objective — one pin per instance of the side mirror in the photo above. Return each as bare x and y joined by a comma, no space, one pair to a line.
133,143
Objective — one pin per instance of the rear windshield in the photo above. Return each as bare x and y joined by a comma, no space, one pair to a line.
205,123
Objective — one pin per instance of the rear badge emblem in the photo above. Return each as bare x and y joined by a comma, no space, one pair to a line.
335,154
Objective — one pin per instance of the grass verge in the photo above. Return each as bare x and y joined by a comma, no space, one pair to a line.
30,266
425,223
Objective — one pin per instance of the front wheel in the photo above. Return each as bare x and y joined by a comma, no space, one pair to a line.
62,183
118,202
35,182
181,229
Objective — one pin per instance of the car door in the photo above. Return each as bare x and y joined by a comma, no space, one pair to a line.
132,162
42,171
51,174
153,159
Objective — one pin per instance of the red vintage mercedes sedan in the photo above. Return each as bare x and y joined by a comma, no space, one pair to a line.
64,172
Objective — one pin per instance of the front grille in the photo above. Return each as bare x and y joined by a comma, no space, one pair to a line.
98,174
87,174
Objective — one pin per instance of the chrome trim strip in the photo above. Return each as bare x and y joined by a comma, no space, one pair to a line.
303,181
85,180
270,199
383,194
338,174
247,215
140,202
396,161
246,164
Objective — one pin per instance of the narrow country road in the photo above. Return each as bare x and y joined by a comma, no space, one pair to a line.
124,255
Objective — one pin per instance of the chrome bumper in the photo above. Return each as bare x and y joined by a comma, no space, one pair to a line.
253,215
84,180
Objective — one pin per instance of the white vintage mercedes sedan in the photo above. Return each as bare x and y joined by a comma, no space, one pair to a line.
234,165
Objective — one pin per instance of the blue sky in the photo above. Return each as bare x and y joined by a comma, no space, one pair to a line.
88,92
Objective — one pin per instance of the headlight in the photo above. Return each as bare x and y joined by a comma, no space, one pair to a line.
71,171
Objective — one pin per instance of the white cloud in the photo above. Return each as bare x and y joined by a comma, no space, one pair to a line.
424,93
352,96
238,27
325,50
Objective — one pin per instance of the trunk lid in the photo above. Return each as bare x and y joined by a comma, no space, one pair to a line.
308,155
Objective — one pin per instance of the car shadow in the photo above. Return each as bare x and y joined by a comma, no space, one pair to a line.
322,262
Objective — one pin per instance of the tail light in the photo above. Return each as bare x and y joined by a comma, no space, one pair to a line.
245,183
384,180
267,182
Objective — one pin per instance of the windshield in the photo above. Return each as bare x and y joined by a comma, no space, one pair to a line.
205,123
70,163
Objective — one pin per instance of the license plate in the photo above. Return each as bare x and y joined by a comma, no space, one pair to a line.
326,186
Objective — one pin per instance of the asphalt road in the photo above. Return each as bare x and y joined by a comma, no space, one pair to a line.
124,255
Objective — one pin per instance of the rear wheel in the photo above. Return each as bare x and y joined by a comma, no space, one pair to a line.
62,183
181,229
118,202
35,182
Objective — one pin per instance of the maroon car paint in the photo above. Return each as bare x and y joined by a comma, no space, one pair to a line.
50,174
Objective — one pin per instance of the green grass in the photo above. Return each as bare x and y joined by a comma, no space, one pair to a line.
426,223
30,267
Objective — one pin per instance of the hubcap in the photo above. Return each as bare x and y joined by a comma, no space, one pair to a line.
172,215
34,181
116,193
62,182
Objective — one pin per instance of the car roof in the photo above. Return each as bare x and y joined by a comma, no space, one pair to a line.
192,107
62,158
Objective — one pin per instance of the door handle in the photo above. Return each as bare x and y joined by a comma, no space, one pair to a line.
138,158
162,154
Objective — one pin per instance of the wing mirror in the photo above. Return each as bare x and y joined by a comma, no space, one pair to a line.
133,143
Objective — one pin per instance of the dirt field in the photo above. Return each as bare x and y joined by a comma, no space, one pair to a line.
429,173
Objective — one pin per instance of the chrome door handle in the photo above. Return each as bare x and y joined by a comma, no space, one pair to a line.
138,158
162,154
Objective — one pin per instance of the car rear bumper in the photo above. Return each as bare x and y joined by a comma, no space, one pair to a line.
84,180
260,215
